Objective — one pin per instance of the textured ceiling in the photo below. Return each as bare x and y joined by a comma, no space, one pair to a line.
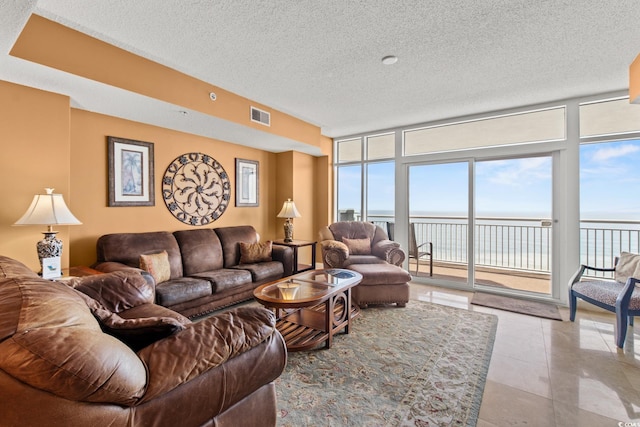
321,60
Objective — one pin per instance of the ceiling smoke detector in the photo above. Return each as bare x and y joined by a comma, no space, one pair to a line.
389,60
212,96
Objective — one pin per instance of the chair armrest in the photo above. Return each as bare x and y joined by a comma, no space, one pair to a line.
334,253
284,254
389,251
624,298
206,344
578,274
116,291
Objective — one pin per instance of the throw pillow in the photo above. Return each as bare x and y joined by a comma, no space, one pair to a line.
157,265
358,246
628,266
255,252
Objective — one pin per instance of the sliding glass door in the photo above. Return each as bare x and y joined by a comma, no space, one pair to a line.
513,224
439,221
505,245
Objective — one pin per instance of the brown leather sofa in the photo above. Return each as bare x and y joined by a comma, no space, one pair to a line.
364,247
205,269
58,367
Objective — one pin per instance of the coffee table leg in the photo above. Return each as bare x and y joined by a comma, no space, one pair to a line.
328,321
348,311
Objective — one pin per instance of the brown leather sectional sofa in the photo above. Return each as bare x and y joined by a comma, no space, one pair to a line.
206,273
154,367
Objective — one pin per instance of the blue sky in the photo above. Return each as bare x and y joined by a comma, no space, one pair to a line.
609,181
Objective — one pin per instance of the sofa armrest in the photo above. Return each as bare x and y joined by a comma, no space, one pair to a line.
111,266
389,251
116,291
334,253
284,254
206,344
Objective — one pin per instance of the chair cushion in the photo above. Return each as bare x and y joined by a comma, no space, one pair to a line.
255,252
358,246
381,274
628,266
606,291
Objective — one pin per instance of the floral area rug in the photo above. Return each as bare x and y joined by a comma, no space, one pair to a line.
423,365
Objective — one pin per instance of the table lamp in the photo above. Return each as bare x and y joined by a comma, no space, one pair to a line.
289,211
48,209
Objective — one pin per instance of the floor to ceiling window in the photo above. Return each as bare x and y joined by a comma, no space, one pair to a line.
512,218
609,181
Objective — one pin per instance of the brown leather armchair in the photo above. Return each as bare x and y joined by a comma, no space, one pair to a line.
364,247
97,351
355,242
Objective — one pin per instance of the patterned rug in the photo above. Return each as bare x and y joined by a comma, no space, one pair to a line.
423,365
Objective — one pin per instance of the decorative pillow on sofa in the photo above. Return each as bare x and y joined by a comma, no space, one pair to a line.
255,252
628,266
358,246
157,265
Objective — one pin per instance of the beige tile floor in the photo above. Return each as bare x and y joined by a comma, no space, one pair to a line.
549,373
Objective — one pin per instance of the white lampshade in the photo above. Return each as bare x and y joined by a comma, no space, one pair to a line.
48,209
289,210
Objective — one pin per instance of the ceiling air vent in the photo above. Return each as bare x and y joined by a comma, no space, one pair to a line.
260,116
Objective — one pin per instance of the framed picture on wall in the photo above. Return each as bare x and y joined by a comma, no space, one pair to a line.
130,172
247,183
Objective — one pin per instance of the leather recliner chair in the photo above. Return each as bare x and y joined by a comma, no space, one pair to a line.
364,247
97,351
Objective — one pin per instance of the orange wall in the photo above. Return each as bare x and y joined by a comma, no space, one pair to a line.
45,143
634,81
34,136
54,45
89,178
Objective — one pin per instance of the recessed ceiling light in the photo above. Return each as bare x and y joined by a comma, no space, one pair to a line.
389,60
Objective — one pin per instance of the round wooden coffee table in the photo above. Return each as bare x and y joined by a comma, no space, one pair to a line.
311,307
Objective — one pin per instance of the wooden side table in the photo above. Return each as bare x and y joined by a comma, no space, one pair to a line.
297,244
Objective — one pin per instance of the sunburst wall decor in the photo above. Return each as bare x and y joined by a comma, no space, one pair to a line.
196,189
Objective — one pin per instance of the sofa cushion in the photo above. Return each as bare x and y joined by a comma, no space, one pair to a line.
358,246
157,265
255,252
363,259
182,289
126,248
225,278
263,271
230,238
59,347
201,250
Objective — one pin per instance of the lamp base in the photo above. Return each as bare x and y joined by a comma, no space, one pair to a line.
288,231
49,247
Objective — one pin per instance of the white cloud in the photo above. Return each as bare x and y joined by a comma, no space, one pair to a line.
606,153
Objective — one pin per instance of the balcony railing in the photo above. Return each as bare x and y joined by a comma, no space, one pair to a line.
522,244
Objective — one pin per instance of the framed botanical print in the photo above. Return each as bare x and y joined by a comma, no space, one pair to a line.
130,172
